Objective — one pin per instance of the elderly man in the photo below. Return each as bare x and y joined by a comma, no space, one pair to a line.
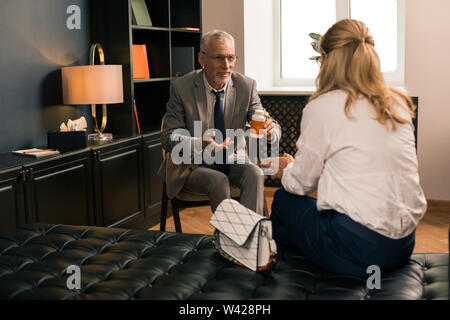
214,97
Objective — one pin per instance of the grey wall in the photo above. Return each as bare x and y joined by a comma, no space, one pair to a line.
426,75
34,44
228,16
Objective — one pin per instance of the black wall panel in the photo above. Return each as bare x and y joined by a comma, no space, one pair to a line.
34,44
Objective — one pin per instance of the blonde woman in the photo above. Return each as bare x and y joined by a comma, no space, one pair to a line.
357,150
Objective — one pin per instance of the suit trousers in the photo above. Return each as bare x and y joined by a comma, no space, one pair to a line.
248,177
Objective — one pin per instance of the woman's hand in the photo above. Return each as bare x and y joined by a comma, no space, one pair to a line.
278,164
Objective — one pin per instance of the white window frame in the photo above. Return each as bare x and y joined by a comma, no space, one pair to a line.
395,78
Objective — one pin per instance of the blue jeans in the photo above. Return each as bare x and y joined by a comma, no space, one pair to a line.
332,240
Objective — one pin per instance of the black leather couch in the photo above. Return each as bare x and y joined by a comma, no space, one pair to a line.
135,264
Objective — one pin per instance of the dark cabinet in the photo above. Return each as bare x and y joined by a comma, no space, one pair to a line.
153,183
54,190
59,190
12,199
118,182
110,185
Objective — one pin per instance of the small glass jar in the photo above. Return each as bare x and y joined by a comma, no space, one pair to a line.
258,122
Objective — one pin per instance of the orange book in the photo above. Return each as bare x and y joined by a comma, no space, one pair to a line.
140,62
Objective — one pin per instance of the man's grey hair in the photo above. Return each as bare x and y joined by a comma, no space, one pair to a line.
216,34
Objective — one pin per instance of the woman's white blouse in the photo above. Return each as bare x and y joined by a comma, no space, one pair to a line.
358,166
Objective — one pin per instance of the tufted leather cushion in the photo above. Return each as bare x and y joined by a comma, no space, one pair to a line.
137,264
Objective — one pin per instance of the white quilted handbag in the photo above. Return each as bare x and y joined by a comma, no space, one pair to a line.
243,236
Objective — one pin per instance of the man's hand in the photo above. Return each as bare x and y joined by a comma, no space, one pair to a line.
209,141
278,164
269,127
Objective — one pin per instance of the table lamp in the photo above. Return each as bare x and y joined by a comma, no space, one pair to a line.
93,84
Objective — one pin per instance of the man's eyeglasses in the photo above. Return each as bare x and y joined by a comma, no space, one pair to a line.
231,58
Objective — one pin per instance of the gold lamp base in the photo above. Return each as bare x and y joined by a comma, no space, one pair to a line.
98,135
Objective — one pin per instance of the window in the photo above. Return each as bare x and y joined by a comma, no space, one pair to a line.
296,19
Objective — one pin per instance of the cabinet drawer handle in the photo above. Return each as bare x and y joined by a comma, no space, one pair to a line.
30,173
23,175
158,144
97,155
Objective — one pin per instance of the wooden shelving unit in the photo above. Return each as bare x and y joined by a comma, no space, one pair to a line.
112,26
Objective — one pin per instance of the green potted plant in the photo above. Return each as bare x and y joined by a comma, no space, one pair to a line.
315,45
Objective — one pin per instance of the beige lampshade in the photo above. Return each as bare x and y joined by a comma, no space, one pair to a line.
92,84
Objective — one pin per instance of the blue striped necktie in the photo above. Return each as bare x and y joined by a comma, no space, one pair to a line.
219,124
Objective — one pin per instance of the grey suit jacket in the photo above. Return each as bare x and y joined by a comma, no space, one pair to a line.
187,103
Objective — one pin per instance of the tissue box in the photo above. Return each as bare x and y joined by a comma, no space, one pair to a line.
67,141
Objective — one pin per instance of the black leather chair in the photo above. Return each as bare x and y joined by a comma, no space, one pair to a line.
182,201
185,200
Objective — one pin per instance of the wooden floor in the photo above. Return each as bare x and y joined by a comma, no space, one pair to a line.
431,234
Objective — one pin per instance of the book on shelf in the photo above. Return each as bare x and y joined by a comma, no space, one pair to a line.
133,18
36,153
140,62
141,15
137,119
187,28
182,60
